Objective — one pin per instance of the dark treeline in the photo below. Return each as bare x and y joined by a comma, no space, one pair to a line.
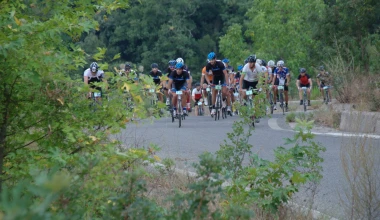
304,33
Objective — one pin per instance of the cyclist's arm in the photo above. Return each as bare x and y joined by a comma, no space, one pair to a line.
202,78
225,76
188,83
241,80
288,78
193,96
298,83
274,79
318,82
311,83
169,85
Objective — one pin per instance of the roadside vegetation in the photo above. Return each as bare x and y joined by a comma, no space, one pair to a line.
58,159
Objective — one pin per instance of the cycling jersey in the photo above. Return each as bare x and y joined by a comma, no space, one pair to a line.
304,80
197,93
281,74
237,78
217,68
206,74
156,76
94,78
179,81
270,71
251,75
324,78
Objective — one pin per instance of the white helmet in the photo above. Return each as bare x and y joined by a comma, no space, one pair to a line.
260,62
271,63
180,60
280,63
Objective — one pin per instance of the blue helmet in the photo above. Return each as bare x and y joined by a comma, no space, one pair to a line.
211,56
179,65
240,67
172,63
225,60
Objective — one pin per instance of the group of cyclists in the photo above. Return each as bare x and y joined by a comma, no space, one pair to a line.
220,72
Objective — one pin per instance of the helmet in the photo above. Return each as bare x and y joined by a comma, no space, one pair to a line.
271,63
252,59
211,56
302,70
154,65
225,60
240,67
180,60
246,61
260,62
179,65
263,63
172,63
127,66
197,84
280,63
321,68
94,67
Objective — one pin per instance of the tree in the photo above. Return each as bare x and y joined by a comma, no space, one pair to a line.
44,115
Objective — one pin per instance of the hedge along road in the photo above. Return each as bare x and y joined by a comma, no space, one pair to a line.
202,133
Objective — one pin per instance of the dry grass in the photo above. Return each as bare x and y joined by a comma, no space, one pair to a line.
361,166
326,116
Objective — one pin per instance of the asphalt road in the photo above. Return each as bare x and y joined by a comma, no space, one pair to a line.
202,133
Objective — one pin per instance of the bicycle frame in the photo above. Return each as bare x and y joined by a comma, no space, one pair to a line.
304,89
280,89
218,101
327,94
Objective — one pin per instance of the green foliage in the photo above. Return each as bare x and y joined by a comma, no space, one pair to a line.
290,117
233,45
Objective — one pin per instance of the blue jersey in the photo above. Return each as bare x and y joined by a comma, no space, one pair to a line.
281,74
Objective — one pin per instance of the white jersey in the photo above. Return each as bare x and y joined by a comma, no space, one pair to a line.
197,93
99,74
249,75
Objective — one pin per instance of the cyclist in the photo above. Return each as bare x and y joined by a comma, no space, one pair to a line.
208,78
155,73
218,70
250,75
269,79
281,74
169,70
304,80
179,79
324,79
196,96
93,75
180,60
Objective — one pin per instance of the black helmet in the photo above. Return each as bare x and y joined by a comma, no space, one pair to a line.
321,68
302,70
197,84
154,65
128,66
263,63
246,61
252,59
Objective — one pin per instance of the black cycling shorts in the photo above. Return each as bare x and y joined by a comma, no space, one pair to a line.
247,84
216,80
307,86
196,102
277,82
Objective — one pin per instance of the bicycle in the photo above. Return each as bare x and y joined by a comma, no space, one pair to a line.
218,101
327,94
304,89
95,96
200,107
237,99
180,116
280,89
271,99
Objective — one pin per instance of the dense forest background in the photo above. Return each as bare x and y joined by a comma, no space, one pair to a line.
305,33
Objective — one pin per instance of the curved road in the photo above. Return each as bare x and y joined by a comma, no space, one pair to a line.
199,134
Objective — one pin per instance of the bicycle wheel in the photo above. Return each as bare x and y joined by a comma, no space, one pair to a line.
271,103
327,96
304,102
218,112
282,103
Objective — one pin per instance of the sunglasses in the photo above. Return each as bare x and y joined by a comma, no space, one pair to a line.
171,67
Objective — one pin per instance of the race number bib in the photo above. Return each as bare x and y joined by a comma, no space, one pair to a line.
282,82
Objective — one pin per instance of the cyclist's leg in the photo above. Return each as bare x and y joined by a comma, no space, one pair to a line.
184,98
